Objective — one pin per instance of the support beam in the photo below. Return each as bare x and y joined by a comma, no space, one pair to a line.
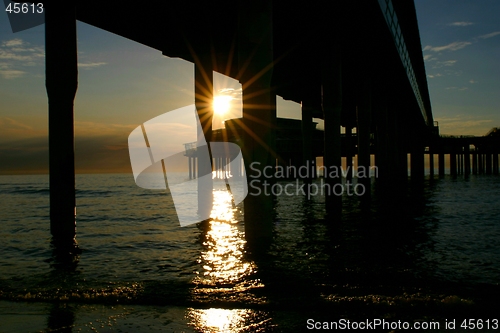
307,148
332,108
474,162
488,163
363,131
495,163
453,164
61,82
417,163
190,167
480,162
349,152
402,155
466,161
441,164
203,96
431,162
255,58
461,161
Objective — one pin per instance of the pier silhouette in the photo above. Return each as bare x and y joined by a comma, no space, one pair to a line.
354,64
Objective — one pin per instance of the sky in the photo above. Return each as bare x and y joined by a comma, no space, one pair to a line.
461,47
123,84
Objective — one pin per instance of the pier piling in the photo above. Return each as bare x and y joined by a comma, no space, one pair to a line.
61,82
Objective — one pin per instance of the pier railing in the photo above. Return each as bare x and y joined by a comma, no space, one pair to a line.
190,149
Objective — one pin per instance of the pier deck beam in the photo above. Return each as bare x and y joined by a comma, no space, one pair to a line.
61,74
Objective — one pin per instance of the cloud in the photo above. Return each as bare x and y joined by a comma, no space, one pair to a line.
99,147
102,154
15,54
450,47
435,75
429,58
13,42
12,129
492,34
461,24
457,88
11,73
234,93
8,55
9,124
18,50
472,81
91,65
448,62
459,125
93,129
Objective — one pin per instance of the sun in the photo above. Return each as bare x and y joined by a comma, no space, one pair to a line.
222,104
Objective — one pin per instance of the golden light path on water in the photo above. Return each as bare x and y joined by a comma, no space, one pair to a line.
224,271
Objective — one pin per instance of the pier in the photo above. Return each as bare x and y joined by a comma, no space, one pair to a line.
357,67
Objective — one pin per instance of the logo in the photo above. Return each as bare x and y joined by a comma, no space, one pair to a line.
169,152
23,16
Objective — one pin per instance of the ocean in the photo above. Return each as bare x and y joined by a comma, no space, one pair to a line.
432,256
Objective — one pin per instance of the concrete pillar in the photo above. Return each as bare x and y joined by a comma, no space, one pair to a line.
488,163
417,163
307,132
190,167
203,89
480,162
403,159
462,161
474,163
195,163
363,133
466,161
453,164
216,166
61,74
441,164
431,162
255,58
237,167
332,108
495,163
349,152
393,160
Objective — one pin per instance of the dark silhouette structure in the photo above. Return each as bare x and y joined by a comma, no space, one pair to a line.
356,64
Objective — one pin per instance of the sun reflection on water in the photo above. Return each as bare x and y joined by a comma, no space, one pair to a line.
229,320
224,272
217,320
224,243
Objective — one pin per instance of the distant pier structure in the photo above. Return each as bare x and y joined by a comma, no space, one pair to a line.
356,64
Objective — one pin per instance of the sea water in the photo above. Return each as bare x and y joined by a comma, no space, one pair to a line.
440,246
